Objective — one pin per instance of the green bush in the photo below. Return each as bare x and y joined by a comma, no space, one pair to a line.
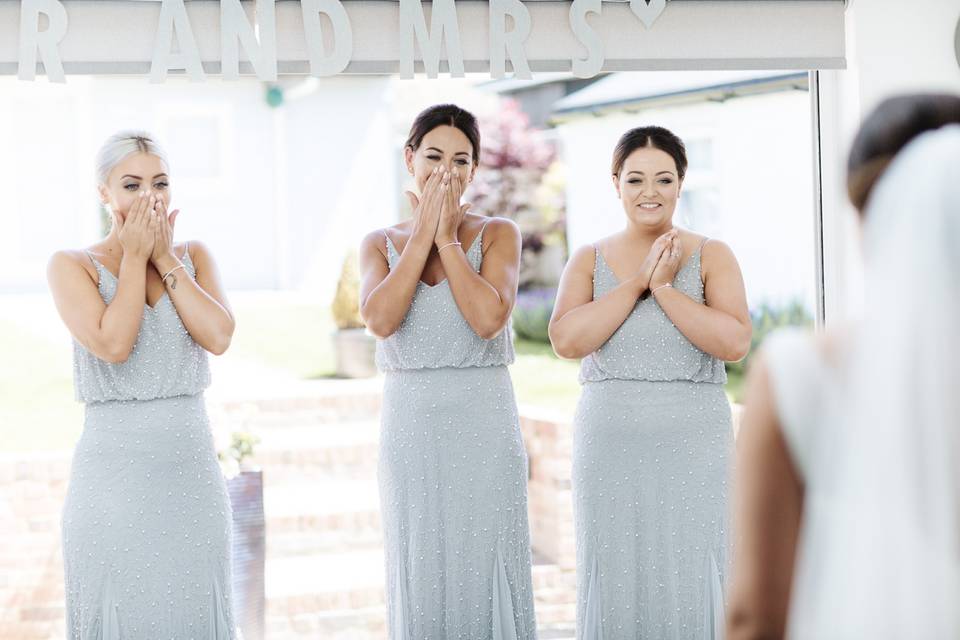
346,302
767,319
531,314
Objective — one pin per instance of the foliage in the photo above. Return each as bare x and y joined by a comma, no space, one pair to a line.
106,220
766,319
520,178
346,302
233,457
531,314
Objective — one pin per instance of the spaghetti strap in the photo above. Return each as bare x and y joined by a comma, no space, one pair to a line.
703,242
390,244
96,263
482,229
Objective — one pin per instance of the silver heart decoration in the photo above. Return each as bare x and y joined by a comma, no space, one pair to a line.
648,10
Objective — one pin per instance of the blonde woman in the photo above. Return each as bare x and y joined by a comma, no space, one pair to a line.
146,523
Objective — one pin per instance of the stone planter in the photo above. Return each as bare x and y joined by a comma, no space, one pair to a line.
354,353
249,552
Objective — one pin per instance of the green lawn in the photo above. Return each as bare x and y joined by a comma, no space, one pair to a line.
542,379
37,410
289,335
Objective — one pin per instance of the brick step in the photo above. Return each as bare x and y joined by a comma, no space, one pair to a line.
369,624
561,616
32,630
307,454
547,575
291,395
287,465
325,582
297,543
348,580
335,505
270,421
556,631
357,624
554,595
330,531
318,435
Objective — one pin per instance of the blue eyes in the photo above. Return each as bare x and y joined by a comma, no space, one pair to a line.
459,161
133,186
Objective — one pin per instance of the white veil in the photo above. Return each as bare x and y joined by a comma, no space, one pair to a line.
882,552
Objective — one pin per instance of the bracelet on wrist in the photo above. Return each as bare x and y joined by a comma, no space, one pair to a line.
170,273
662,286
449,244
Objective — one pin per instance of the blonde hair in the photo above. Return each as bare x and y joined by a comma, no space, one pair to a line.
122,144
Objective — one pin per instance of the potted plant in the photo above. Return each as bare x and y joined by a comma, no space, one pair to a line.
245,488
353,346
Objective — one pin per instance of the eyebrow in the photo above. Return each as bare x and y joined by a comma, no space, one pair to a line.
643,174
458,153
130,175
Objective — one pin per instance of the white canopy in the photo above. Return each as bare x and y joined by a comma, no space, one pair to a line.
119,37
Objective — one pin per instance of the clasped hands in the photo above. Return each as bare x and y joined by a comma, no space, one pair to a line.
147,230
437,213
662,263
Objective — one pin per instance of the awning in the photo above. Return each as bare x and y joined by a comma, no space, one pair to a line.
118,36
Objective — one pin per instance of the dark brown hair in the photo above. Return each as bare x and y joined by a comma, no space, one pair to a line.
445,114
888,129
656,137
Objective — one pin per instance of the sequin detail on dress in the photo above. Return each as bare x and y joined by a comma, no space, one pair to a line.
452,478
652,445
146,521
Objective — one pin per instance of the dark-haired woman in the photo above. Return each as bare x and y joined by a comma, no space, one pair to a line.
654,311
437,291
848,514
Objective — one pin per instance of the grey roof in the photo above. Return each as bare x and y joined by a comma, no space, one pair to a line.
619,90
510,84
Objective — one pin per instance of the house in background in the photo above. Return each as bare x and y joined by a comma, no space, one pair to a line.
280,180
750,180
538,95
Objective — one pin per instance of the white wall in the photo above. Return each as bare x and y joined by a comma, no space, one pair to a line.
278,194
763,180
337,180
218,149
892,47
895,47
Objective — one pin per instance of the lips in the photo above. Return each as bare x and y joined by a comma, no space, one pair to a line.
650,206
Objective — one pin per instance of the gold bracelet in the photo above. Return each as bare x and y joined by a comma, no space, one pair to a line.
449,244
168,273
653,291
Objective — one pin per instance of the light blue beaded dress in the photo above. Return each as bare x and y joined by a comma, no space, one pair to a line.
146,522
453,477
651,454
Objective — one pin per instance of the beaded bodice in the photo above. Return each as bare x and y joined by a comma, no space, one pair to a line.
165,360
435,334
648,346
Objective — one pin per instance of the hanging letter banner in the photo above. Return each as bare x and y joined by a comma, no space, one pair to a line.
198,39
